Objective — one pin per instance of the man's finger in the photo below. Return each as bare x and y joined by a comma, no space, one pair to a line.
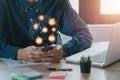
34,57
33,47
35,52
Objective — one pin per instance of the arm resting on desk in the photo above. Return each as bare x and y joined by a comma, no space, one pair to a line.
76,28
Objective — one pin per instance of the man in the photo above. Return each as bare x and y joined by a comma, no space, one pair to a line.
17,40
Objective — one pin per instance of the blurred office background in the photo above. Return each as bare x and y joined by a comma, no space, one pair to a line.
99,15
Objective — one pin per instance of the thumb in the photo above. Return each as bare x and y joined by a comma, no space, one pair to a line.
33,47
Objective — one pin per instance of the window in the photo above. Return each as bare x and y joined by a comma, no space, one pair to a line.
110,6
99,11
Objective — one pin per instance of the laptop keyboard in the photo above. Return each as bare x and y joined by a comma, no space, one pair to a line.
97,52
99,58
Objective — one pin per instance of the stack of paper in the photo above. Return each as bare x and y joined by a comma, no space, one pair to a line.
16,63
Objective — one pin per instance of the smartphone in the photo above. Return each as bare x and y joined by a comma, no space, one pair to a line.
46,48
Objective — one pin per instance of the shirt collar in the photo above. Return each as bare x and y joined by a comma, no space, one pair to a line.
25,5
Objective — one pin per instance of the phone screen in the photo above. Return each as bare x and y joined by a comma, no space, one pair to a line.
47,48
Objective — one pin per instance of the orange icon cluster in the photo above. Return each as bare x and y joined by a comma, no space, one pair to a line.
45,29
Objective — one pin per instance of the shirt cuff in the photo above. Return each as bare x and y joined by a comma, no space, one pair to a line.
74,46
12,52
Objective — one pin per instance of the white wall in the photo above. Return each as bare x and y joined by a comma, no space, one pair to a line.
75,5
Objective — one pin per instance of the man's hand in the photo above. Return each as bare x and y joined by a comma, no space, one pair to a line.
35,54
54,55
28,54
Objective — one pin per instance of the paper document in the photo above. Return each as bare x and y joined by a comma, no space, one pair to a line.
16,63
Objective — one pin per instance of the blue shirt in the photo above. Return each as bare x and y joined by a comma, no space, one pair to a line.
18,16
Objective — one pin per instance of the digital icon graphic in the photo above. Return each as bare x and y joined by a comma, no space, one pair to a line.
44,30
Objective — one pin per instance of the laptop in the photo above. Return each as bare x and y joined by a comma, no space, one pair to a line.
102,53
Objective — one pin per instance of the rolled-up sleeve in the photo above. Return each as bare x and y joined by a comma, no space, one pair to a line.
75,27
6,51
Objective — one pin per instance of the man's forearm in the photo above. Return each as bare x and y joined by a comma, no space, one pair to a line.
8,52
73,46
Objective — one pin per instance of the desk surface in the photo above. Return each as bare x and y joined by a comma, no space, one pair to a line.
109,73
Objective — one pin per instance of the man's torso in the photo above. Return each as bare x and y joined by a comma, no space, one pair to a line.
19,21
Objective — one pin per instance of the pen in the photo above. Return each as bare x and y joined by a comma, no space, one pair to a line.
59,69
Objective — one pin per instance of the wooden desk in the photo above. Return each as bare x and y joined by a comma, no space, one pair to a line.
110,73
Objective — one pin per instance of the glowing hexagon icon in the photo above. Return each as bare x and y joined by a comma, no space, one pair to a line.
39,40
35,26
44,29
41,17
52,21
53,29
51,38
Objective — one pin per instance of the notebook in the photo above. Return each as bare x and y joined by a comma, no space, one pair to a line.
57,75
102,53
